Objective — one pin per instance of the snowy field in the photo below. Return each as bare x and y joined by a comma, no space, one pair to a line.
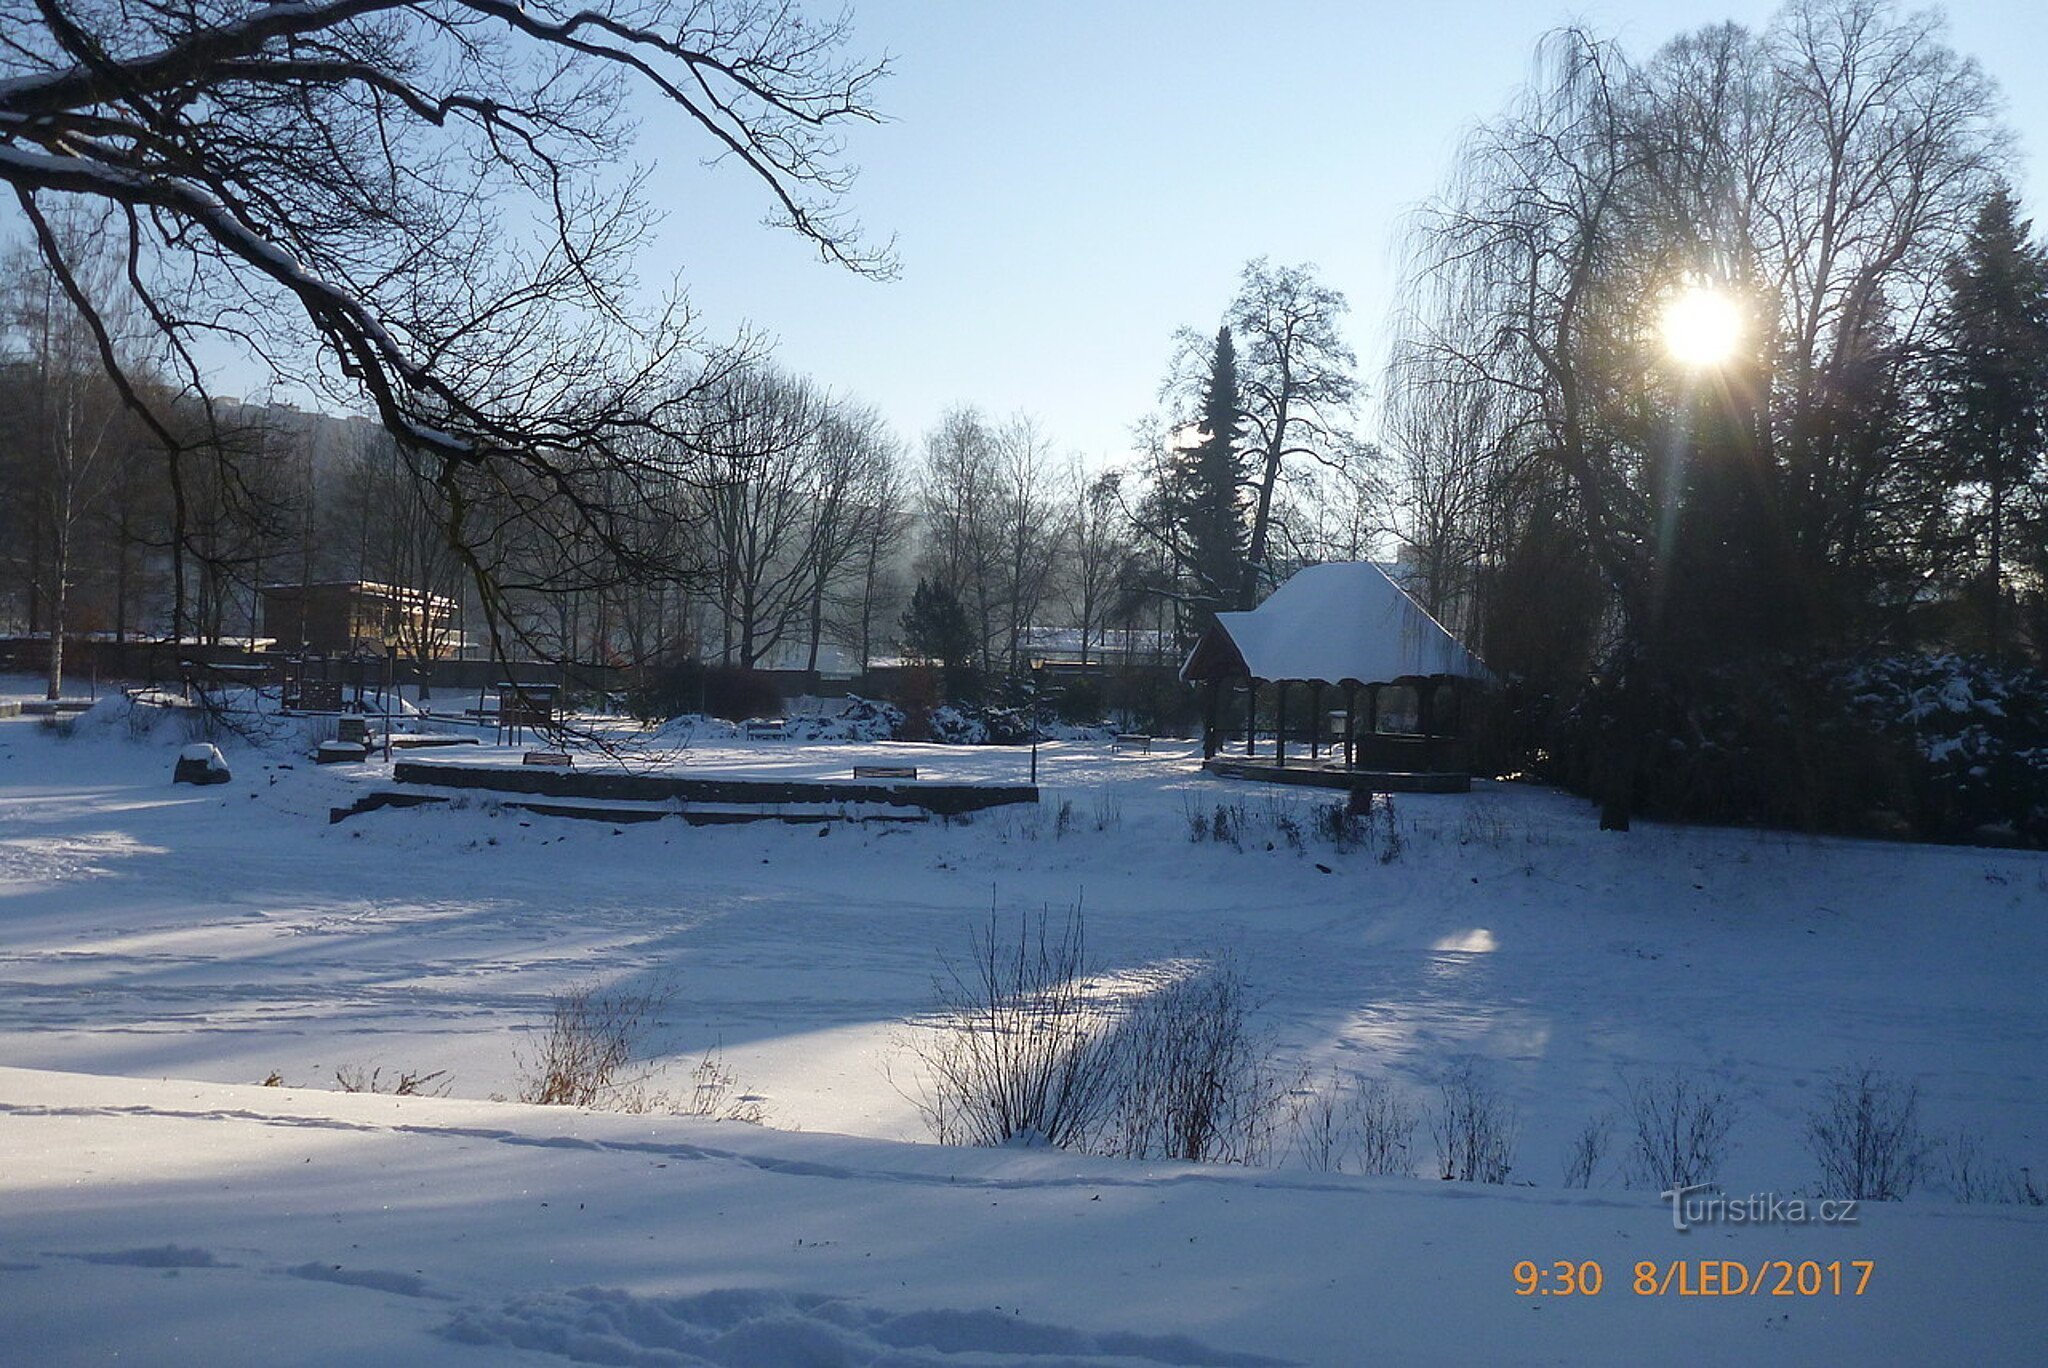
165,949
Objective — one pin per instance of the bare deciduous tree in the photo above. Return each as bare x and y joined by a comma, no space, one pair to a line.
1296,387
421,207
62,413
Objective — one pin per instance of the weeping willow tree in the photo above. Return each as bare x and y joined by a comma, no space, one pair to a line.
1564,466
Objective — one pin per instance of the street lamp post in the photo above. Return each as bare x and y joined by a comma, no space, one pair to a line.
1037,691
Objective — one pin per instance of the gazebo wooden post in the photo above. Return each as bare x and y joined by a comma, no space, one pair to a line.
1280,724
1212,717
1251,716
1424,692
1315,720
1350,726
1372,723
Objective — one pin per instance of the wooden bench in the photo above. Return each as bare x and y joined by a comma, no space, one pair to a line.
1133,740
885,771
560,759
765,729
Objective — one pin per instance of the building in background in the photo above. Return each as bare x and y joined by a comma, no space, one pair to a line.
349,617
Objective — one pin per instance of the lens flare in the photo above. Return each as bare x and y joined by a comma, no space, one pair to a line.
1701,327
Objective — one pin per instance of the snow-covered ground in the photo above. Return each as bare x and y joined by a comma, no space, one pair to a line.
164,949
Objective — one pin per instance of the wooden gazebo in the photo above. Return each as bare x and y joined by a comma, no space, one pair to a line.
1342,626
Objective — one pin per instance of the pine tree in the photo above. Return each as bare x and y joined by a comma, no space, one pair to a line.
936,628
1991,377
1206,494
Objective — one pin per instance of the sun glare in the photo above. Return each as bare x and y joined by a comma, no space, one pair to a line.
1701,327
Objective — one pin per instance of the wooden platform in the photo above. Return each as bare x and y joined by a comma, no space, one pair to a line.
623,814
941,799
1316,774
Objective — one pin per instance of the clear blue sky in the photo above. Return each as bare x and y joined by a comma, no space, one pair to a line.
1068,182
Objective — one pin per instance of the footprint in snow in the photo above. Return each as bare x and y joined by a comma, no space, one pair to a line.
742,1326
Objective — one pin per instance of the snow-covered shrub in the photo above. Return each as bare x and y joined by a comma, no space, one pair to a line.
1866,1136
861,719
1679,1131
951,724
1475,1129
976,724
1978,734
684,728
1944,747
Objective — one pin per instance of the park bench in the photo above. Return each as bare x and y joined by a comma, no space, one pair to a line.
765,729
560,759
1132,741
885,771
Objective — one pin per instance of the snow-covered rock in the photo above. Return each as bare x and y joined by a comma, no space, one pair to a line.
201,763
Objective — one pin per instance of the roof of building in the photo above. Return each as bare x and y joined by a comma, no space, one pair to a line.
1342,622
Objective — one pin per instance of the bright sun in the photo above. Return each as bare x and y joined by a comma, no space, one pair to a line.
1701,327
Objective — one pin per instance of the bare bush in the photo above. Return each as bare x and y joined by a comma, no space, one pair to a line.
1017,1046
1192,1081
1475,1129
1109,812
1369,821
1337,824
1385,1126
714,1092
1024,1044
1483,823
1866,1136
352,1078
1679,1131
587,1047
1355,1125
1316,1117
1973,1176
1588,1148
1387,830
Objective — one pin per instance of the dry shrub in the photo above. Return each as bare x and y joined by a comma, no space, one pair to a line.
1680,1130
1023,1045
1192,1082
1016,1046
1355,1125
1475,1129
1588,1149
1865,1134
587,1047
351,1078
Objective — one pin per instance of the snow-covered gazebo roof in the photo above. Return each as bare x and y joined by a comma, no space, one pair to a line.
1342,622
